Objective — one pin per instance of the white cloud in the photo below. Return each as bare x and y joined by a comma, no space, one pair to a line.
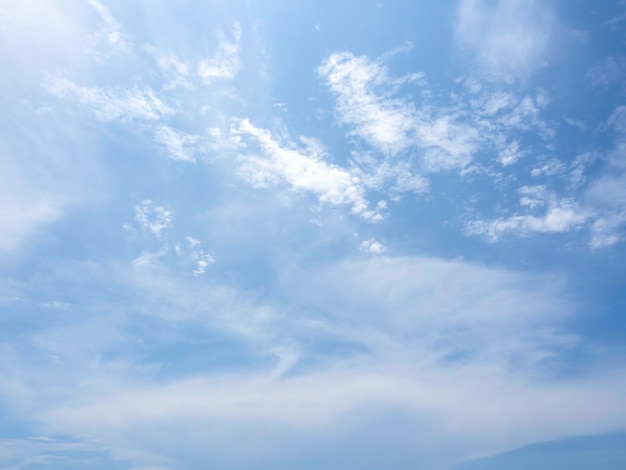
224,141
112,31
550,167
511,153
179,146
607,230
168,62
46,169
508,38
561,215
418,330
225,62
608,72
372,246
192,242
174,69
383,122
148,259
525,115
448,145
17,454
394,177
493,413
500,116
111,104
391,125
601,208
23,215
410,332
48,165
152,218
200,259
304,170
578,167
606,195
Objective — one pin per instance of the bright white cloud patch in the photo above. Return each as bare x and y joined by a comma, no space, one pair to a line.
304,170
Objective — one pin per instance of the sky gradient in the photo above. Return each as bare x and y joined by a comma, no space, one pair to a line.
314,234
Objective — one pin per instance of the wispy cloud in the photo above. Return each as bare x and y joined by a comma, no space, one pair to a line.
385,123
224,64
393,125
409,140
200,259
303,169
549,167
394,177
600,208
112,31
152,218
610,71
509,39
424,328
560,215
111,104
179,146
17,454
172,67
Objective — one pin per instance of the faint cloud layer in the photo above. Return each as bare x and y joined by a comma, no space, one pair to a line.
509,39
224,64
425,329
110,104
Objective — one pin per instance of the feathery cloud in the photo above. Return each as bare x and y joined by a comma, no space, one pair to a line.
303,170
152,218
179,146
111,104
225,63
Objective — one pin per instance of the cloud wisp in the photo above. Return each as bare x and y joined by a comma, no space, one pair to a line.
598,209
394,126
509,39
224,64
303,170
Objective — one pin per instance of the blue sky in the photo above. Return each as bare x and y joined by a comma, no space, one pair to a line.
277,235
